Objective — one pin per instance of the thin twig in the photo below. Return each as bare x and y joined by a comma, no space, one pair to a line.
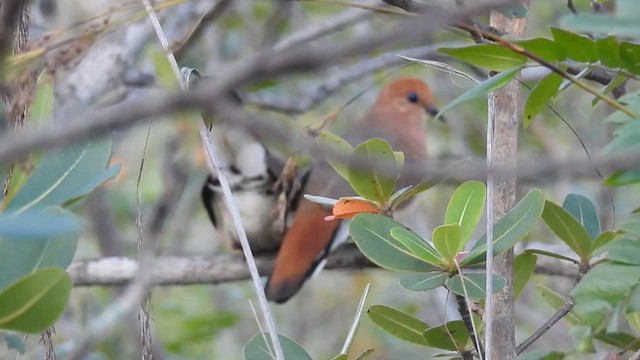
215,165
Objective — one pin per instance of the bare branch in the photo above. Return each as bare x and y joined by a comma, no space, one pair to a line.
182,271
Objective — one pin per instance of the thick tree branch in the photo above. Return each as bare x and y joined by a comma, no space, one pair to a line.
181,271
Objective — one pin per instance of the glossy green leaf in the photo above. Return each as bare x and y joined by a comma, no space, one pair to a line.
557,301
603,239
577,47
449,336
474,284
544,90
623,177
567,228
584,211
465,209
371,233
608,51
37,224
64,175
542,355
257,349
373,184
423,281
22,255
624,251
510,228
630,57
341,147
398,324
489,56
620,340
416,245
35,302
523,267
482,89
602,288
446,239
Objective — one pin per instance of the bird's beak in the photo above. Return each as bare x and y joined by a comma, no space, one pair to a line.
433,111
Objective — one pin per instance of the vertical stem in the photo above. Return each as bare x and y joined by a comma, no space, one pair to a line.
502,146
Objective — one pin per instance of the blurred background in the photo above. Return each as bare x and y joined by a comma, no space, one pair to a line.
213,322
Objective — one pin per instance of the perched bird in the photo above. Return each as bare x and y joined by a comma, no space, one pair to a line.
397,116
263,189
266,188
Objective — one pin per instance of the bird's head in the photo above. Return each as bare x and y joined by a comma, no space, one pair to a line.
409,95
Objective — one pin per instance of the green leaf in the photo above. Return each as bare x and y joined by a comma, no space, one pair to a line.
568,229
371,233
625,139
540,95
398,324
603,239
557,301
609,52
407,193
545,48
489,56
341,357
474,284
634,299
542,355
584,211
35,302
523,266
608,89
579,48
630,57
602,288
423,281
624,251
619,339
510,228
634,320
64,174
37,224
416,245
465,209
449,336
582,336
632,102
339,146
446,239
21,256
623,177
257,349
372,183
482,89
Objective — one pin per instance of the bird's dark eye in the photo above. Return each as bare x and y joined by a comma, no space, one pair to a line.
412,96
